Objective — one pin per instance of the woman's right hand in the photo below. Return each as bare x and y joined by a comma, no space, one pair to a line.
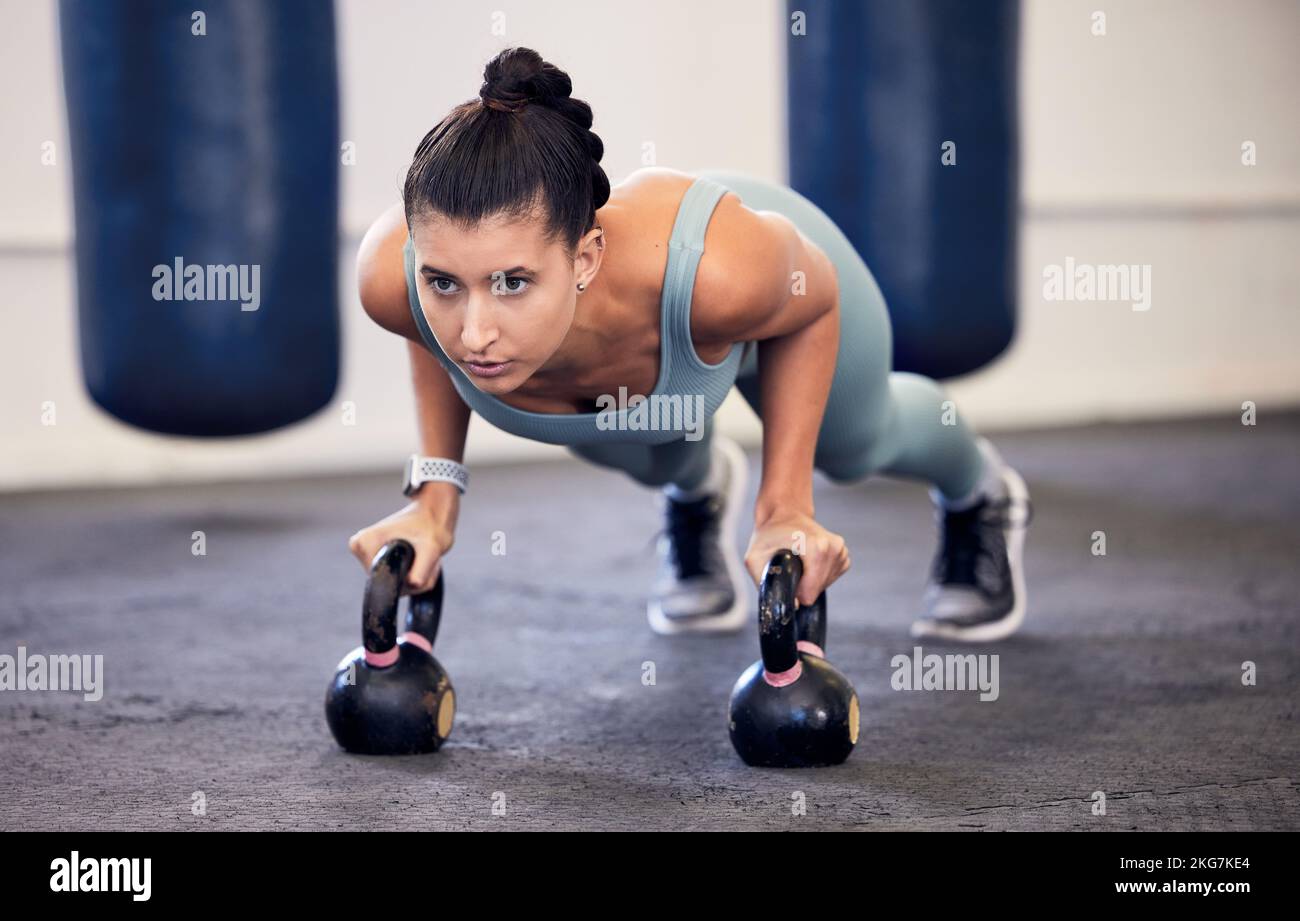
428,524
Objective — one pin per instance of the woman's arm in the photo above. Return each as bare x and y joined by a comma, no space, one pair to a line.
784,293
795,371
442,417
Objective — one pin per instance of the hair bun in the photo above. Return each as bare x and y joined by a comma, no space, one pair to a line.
518,76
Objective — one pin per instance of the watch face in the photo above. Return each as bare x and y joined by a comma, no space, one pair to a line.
408,482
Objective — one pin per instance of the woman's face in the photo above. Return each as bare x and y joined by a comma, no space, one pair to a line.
499,298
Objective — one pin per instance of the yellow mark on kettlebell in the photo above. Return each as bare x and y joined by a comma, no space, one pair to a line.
853,720
447,711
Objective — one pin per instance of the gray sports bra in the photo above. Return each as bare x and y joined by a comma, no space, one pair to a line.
681,371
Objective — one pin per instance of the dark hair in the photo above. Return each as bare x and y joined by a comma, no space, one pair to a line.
522,144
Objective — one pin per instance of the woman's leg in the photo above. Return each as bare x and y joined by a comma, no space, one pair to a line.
699,585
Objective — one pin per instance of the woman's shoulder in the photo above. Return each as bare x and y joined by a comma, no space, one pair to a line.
656,179
744,273
381,274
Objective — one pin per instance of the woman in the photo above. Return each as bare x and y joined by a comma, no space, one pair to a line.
536,295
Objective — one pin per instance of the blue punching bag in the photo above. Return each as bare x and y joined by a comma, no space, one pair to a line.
881,93
205,156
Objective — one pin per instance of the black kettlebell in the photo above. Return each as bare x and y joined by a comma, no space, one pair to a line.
390,696
792,708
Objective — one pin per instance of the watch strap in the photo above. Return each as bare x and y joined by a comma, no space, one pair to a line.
437,470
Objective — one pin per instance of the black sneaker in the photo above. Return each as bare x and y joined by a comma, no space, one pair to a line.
700,583
976,592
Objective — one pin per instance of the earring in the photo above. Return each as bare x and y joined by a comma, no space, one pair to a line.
582,286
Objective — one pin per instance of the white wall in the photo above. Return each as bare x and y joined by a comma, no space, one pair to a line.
1131,155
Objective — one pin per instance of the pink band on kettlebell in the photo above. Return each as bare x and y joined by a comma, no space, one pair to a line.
381,659
781,679
417,639
811,648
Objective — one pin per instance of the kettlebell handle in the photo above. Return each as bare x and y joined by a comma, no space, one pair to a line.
784,628
388,573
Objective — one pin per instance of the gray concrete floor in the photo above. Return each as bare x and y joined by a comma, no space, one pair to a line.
1125,678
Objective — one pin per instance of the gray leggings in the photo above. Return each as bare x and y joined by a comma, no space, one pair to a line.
876,420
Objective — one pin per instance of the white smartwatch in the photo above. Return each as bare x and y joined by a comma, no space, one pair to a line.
421,470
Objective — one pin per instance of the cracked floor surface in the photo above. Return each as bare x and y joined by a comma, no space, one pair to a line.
1126,679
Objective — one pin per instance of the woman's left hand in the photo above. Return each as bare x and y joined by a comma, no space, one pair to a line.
824,553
